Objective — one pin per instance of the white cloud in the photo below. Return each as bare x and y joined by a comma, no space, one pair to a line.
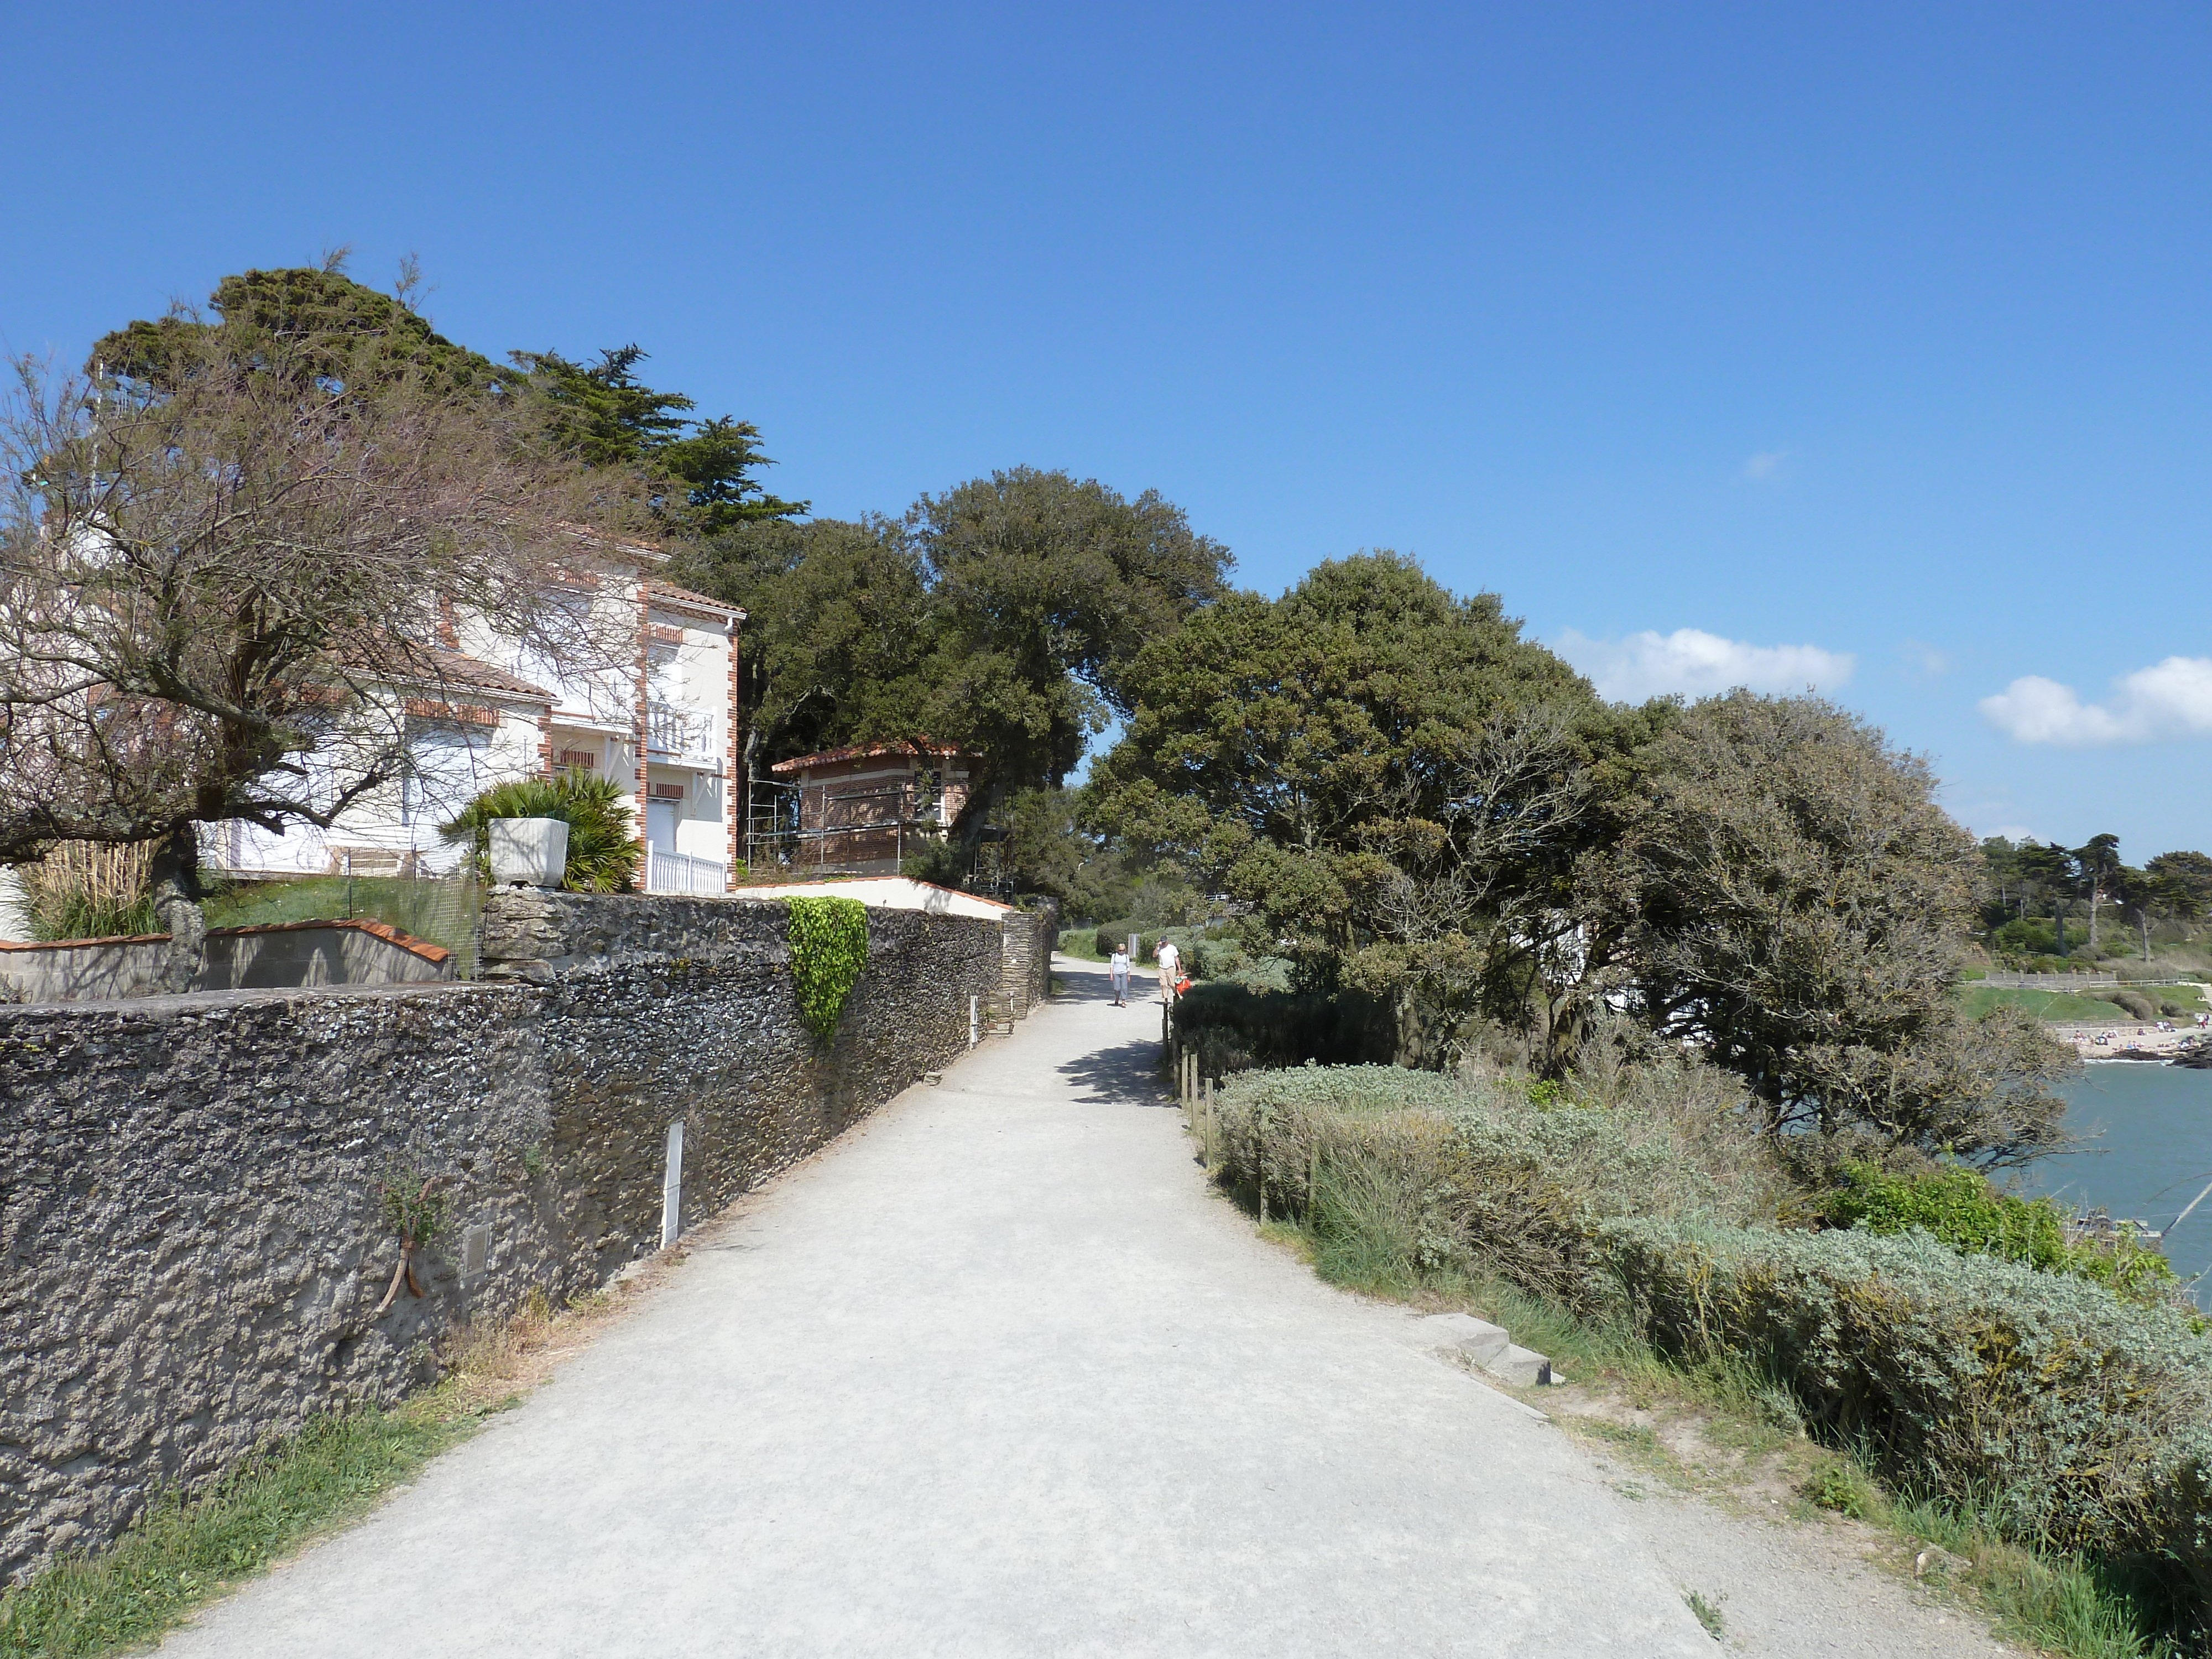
1768,465
1692,663
2171,699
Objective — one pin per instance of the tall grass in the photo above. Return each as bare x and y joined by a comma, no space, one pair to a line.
182,1553
85,889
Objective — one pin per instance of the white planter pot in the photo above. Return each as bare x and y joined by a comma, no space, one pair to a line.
529,852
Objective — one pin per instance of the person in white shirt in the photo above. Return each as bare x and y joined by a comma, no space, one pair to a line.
1117,965
1171,961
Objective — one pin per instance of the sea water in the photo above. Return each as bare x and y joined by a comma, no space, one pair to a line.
2146,1135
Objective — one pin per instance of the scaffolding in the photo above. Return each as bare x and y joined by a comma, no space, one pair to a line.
884,827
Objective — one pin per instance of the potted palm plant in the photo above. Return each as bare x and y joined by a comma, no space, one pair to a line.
512,827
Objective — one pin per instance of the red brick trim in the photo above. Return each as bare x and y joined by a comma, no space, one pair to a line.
735,797
642,716
422,708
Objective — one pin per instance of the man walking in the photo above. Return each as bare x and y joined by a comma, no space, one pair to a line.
1170,969
1117,965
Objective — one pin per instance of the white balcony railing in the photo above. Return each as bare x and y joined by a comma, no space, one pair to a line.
681,872
679,733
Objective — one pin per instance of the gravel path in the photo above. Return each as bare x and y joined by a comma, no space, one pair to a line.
996,1374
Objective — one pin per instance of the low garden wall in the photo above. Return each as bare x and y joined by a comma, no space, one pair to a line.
288,955
194,1236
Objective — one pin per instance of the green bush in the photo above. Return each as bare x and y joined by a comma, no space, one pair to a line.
1962,1209
1125,932
1236,1029
829,948
2136,1005
603,851
2074,1418
1959,1207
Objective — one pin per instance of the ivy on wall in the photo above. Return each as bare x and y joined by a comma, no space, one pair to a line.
829,948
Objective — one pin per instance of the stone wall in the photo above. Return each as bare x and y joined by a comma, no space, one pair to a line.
193,1242
1026,977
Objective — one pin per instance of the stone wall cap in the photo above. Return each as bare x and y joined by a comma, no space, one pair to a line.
192,1003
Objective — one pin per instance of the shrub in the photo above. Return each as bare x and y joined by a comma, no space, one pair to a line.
1216,958
1960,1208
2075,1418
2133,1003
1236,1029
1957,1206
1505,1174
602,852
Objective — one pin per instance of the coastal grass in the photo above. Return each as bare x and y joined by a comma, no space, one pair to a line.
184,1552
2051,1600
1980,999
2059,1603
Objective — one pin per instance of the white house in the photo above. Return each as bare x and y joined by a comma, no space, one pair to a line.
665,725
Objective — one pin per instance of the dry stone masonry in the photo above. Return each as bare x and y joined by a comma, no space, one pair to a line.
193,1241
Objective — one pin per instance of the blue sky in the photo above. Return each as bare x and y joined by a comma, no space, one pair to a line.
1858,344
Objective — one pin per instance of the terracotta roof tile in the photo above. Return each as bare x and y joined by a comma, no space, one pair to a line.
685,596
455,668
864,750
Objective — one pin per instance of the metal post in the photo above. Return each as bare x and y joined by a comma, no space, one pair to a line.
671,1187
975,1022
1260,1160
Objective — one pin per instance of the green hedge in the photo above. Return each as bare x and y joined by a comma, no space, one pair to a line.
1114,934
1236,1029
2075,1419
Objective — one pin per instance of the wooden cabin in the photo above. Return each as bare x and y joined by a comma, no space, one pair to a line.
865,810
